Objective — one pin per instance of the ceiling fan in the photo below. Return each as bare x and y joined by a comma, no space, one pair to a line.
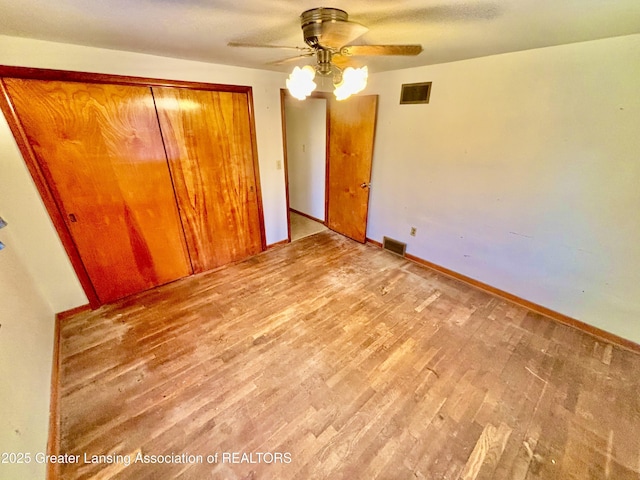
328,33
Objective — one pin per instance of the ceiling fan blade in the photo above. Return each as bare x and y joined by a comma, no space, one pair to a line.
355,50
344,62
291,59
337,34
263,45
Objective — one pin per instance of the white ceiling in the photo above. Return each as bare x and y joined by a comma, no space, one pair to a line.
448,30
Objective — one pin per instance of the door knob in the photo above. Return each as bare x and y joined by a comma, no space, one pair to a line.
365,185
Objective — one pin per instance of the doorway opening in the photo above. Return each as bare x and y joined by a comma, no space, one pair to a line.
306,152
303,226
328,148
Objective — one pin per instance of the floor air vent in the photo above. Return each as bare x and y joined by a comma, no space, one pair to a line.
394,246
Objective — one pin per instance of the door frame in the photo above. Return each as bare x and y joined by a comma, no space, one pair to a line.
284,94
328,96
42,185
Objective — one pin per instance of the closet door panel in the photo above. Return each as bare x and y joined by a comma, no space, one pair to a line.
100,148
208,141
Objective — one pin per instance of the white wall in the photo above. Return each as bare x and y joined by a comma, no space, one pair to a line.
26,349
306,124
522,172
21,205
45,259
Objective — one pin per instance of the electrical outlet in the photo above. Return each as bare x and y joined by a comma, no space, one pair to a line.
413,231
279,165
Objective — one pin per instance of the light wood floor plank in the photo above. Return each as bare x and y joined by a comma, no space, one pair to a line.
356,363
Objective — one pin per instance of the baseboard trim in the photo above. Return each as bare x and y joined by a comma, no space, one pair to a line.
73,311
308,216
278,244
373,242
547,312
53,441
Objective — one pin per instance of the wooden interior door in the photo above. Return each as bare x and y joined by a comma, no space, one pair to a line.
351,129
100,149
208,139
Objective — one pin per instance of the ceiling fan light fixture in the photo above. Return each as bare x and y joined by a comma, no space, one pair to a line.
354,80
328,32
346,82
300,82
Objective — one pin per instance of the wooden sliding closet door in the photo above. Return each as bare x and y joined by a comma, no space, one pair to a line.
100,149
208,140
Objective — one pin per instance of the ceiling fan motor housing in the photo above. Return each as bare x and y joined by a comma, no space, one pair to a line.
312,20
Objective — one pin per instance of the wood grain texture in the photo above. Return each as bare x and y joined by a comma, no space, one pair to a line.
73,311
256,165
351,130
207,137
279,244
600,334
357,50
98,78
57,217
342,355
100,149
283,95
53,439
487,452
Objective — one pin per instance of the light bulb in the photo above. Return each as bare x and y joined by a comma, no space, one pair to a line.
300,83
354,80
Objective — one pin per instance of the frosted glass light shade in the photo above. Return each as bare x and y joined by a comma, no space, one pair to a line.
300,83
354,80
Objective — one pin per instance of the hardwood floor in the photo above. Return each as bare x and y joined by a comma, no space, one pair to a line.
328,359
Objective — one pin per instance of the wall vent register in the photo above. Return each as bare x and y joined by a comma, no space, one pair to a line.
394,246
415,93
